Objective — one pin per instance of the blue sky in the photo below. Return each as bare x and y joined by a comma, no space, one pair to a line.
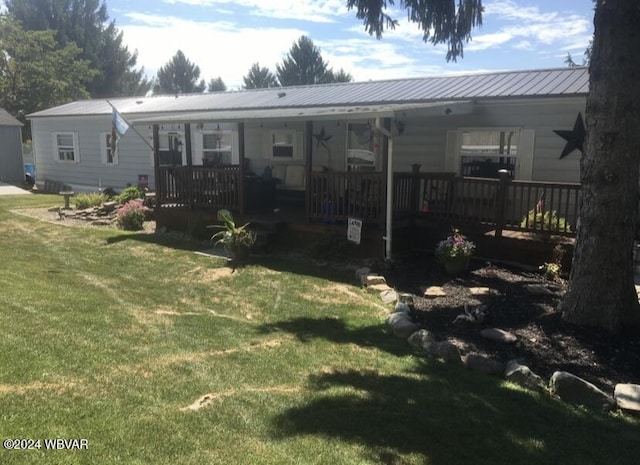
225,37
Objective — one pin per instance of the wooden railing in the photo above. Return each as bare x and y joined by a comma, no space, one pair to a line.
497,203
199,187
336,196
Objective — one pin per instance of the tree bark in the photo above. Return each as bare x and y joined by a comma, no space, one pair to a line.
601,285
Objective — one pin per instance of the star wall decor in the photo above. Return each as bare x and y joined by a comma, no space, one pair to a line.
574,138
322,138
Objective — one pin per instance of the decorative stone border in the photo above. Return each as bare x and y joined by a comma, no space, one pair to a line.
563,385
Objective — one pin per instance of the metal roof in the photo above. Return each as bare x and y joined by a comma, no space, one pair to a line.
7,120
508,84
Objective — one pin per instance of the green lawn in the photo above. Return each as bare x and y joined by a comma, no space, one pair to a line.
110,337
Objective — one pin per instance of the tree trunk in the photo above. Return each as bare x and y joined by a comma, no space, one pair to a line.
601,286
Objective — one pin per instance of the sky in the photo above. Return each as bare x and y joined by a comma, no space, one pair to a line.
225,37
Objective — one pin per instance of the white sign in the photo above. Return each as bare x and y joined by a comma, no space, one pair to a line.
354,230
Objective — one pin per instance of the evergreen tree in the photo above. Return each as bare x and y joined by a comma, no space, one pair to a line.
216,85
85,23
179,76
340,76
259,78
304,65
37,73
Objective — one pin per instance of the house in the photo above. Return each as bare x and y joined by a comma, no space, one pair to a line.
372,150
11,166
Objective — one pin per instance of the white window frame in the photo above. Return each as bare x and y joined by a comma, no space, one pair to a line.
180,134
230,149
517,156
106,150
283,133
75,150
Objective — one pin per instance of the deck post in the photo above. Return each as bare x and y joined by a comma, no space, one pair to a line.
187,148
241,158
156,166
308,147
501,201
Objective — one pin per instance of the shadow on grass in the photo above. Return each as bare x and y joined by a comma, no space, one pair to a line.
441,415
336,331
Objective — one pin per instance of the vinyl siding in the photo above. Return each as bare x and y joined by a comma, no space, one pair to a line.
11,166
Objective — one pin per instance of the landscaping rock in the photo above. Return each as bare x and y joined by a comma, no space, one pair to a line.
401,307
421,338
434,291
482,364
445,350
575,390
374,280
108,207
361,275
389,296
627,396
480,291
378,288
401,325
538,289
523,376
498,335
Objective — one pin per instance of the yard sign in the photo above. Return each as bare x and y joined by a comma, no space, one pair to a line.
354,230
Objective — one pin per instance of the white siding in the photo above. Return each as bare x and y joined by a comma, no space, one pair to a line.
134,156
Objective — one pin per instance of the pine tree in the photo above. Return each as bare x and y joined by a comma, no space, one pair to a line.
179,76
259,78
216,85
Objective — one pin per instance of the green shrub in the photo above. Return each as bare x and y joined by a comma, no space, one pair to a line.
131,216
549,221
93,199
328,245
130,193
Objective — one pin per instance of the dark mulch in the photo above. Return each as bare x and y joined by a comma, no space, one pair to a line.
545,343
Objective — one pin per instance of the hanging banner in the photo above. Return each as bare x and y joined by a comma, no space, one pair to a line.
354,230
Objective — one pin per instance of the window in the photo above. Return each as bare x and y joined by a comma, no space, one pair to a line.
170,150
217,148
361,147
283,144
65,147
108,155
484,152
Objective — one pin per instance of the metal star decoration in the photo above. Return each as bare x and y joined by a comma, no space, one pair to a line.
574,138
322,138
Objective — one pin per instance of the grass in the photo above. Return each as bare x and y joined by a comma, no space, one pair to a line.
111,336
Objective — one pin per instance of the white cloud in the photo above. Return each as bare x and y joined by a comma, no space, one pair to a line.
319,11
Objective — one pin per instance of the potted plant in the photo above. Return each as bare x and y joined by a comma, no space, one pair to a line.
454,252
236,240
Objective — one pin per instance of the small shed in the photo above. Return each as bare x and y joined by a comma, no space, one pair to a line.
11,165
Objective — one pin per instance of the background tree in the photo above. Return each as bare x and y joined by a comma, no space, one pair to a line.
85,23
179,76
601,287
216,85
340,76
37,73
304,65
259,77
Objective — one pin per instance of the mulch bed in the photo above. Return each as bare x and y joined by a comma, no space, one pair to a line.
545,342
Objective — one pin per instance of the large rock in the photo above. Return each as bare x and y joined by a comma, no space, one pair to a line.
401,307
523,376
421,339
498,335
445,350
434,291
401,325
627,396
389,296
575,390
374,280
482,364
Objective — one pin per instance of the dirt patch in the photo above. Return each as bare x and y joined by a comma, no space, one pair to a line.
523,303
207,399
52,216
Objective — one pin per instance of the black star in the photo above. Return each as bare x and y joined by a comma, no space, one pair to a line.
574,138
322,138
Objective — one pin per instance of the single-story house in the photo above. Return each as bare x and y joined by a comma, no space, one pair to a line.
380,151
11,165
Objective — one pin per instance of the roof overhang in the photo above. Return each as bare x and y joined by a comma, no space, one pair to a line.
386,110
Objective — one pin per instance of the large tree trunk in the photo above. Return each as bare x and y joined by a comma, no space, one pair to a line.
601,286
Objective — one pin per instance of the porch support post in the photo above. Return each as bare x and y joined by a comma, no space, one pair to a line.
308,147
387,170
241,155
189,154
156,166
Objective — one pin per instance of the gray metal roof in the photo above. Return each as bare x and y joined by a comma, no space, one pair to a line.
7,120
508,84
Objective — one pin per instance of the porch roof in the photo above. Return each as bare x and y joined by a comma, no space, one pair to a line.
315,113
